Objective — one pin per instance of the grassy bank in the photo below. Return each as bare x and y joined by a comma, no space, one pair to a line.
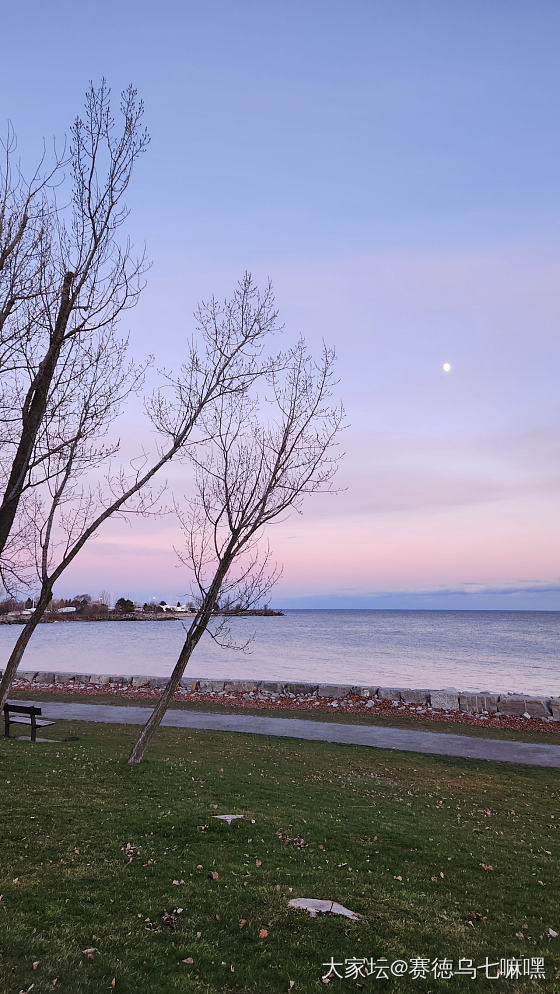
91,850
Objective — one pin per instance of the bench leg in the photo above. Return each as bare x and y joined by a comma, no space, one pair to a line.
33,729
7,727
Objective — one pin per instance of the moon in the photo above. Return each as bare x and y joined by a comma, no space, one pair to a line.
446,367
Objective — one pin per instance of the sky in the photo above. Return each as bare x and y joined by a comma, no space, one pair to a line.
392,167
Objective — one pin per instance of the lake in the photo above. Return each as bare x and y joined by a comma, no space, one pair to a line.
515,651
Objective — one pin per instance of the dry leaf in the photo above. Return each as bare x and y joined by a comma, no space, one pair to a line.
36,964
263,933
189,959
486,867
242,922
213,875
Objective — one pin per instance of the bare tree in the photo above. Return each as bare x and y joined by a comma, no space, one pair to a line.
260,459
224,358
64,276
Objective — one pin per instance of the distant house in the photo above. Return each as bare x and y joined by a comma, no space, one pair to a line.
175,608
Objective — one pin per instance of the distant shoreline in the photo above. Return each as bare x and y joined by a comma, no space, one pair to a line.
139,616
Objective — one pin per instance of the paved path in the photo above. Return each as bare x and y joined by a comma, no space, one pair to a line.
376,736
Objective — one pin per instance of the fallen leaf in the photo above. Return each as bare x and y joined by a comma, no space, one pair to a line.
242,922
258,862
263,934
485,866
213,875
189,959
36,964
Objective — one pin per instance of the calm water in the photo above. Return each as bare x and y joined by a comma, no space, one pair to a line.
467,650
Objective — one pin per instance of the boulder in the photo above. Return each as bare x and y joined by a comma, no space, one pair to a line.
300,689
188,683
478,702
554,705
157,682
332,690
64,677
43,677
140,681
418,697
83,678
447,700
269,687
240,686
366,691
390,693
517,705
28,675
210,686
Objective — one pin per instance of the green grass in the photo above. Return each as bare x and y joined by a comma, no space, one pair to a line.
370,817
549,733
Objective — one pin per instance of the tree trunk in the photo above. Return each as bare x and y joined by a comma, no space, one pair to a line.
194,634
33,413
21,645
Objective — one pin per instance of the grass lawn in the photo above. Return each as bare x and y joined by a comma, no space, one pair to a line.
96,855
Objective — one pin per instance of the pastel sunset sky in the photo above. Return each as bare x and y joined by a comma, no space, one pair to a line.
393,168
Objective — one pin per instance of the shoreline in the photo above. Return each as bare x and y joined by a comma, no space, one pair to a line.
511,711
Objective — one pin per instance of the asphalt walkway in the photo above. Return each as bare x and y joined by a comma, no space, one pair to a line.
375,736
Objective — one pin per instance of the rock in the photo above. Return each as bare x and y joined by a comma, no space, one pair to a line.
300,688
316,907
83,678
120,680
447,700
389,693
157,682
44,677
554,705
330,690
140,681
28,675
533,707
64,677
365,691
269,687
189,683
228,818
478,702
103,680
210,686
418,697
240,686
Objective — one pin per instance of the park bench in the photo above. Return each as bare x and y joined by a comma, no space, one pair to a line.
25,714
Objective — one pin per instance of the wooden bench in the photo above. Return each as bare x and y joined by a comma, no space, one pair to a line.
25,714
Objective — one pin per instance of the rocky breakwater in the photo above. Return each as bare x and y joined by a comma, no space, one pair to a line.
494,709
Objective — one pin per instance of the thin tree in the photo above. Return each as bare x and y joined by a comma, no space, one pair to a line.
63,275
224,359
260,460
